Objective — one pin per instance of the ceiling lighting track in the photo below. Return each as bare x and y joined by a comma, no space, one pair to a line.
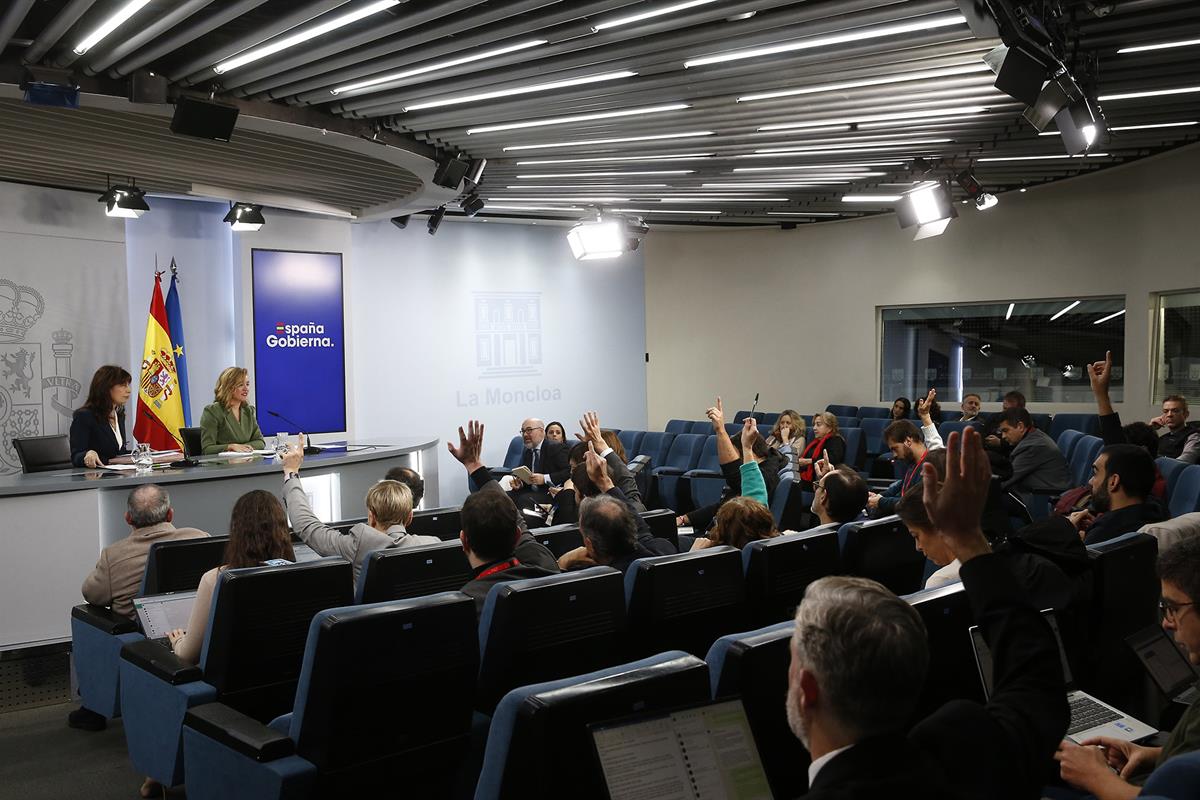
920,24
964,69
436,66
1142,48
629,112
618,140
518,90
116,20
288,42
1104,98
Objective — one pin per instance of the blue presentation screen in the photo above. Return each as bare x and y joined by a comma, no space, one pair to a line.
299,341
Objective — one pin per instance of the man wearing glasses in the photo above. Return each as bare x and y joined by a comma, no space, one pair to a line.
547,460
1179,440
1103,766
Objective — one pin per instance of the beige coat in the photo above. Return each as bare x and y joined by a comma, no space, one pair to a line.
118,574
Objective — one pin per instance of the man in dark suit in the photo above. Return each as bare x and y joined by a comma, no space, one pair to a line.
859,660
548,461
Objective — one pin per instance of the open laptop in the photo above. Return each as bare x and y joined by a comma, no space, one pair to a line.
1166,663
1089,717
701,752
161,613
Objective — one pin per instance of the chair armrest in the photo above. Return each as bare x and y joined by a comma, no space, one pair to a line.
666,471
238,732
499,472
160,662
875,484
703,473
104,619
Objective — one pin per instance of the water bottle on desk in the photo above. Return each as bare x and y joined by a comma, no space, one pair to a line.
142,457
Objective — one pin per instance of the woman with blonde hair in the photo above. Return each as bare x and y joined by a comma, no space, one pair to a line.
229,424
787,436
826,440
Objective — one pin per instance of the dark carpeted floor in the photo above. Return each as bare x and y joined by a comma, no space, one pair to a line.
40,757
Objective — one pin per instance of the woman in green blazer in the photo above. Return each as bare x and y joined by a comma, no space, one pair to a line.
229,424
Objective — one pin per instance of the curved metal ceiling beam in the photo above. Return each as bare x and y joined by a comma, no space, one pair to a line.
13,16
97,62
62,22
182,36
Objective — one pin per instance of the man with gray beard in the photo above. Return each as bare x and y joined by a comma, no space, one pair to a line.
860,656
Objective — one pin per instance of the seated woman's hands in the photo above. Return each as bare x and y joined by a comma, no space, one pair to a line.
239,448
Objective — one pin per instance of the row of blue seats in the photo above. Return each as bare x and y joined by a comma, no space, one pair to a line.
358,734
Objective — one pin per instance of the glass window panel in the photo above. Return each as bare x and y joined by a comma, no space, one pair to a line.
1177,346
992,348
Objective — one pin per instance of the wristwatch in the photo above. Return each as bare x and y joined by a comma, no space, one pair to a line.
290,475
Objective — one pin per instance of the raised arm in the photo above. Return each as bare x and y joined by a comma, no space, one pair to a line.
753,485
726,452
316,534
929,431
621,476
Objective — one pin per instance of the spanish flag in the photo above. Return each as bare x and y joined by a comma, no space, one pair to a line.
160,407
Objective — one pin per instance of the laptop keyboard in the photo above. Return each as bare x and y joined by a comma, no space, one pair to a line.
1087,713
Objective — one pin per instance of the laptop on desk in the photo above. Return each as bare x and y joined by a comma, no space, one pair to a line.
1089,717
160,613
1167,665
701,752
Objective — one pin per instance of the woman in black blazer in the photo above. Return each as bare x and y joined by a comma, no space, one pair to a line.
98,427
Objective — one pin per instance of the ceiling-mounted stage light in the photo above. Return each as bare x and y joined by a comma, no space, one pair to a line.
1081,125
928,207
435,220
1058,93
606,236
475,170
986,200
471,205
245,217
401,222
128,201
450,171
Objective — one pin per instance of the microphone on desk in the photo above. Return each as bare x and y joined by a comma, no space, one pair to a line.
309,450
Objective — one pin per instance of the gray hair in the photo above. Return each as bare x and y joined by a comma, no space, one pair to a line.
609,525
867,649
148,505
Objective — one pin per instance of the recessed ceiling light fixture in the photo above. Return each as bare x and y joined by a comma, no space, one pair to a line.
628,112
860,165
1104,98
617,140
856,35
532,208
708,198
566,199
593,187
1041,158
463,99
666,211
901,115
963,69
657,12
118,18
287,42
870,198
554,175
454,62
1141,48
615,159
823,149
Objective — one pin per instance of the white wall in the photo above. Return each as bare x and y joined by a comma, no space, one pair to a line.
792,314
414,305
193,233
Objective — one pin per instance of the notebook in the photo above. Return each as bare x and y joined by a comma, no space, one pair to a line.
1167,665
703,752
1089,717
160,613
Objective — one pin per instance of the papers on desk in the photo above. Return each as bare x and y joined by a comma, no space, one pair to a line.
120,467
227,454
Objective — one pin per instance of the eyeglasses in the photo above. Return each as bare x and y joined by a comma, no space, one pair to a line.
530,430
1170,609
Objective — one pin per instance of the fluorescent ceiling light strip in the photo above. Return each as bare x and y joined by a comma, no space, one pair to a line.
837,87
531,208
1008,314
554,175
846,148
928,112
619,140
665,211
1149,93
614,159
1065,310
657,12
1110,316
109,25
803,214
595,187
303,36
1141,48
537,87
870,198
785,185
912,123
629,112
454,62
862,165
708,198
568,199
1133,127
1041,158
921,24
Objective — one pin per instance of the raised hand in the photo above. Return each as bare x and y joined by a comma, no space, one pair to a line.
749,431
716,415
597,470
822,466
925,405
470,446
955,504
590,425
1100,373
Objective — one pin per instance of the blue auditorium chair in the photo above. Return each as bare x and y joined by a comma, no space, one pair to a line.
872,429
631,441
703,427
769,418
365,712
787,480
1178,778
684,601
1084,423
1185,497
741,415
1043,422
639,468
662,524
97,634
250,661
946,612
678,426
873,412
733,429
542,629
856,447
1172,470
512,459
1067,441
847,422
1087,448
754,665
842,411
683,455
539,746
883,550
656,445
706,481
445,523
778,571
397,574
945,428
559,539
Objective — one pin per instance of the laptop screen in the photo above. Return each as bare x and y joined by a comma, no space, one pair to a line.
160,613
1168,667
705,751
983,655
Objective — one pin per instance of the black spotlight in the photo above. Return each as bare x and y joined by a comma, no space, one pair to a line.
49,86
435,219
400,222
471,204
475,171
204,119
127,201
1058,93
450,172
245,217
1081,125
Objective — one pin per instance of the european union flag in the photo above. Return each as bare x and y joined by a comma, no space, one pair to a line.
175,324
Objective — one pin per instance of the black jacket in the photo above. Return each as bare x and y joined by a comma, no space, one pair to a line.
1112,524
479,587
89,433
966,750
554,461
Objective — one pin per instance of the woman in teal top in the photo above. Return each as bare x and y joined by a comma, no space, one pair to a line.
229,424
